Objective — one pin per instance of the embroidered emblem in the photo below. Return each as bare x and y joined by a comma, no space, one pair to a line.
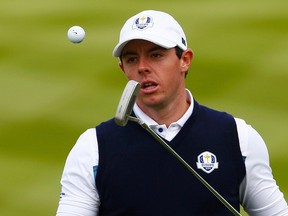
207,161
142,23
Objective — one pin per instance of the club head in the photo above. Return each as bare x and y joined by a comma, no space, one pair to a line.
126,102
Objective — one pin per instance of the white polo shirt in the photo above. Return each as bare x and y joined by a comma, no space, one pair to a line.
259,193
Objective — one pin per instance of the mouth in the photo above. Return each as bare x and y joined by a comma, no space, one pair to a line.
149,86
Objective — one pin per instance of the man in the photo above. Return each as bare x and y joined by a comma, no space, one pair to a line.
118,171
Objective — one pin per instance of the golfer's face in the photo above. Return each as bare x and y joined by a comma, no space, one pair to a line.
159,71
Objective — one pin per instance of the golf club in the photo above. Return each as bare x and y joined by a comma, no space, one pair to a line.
122,116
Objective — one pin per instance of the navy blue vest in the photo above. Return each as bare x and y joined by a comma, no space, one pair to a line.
138,177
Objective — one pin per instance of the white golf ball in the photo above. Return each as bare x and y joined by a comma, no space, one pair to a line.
76,34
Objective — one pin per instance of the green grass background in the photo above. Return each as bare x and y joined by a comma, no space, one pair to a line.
53,90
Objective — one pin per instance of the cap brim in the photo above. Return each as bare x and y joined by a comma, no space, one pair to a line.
156,40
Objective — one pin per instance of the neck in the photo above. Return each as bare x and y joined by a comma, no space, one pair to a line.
167,114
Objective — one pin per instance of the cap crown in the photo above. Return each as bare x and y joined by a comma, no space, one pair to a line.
154,26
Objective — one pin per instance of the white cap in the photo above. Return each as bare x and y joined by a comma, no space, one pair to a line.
154,26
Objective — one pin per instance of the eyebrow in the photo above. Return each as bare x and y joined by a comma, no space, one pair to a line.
157,48
154,48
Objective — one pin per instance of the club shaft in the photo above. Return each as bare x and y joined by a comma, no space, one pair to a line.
188,167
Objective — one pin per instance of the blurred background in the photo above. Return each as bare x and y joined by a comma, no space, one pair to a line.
52,90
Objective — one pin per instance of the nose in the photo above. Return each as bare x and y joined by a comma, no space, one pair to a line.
143,66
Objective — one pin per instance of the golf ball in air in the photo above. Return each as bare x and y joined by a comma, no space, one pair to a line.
76,34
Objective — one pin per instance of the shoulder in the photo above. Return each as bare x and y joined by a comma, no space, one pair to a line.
213,118
109,129
250,140
87,137
242,129
212,113
85,146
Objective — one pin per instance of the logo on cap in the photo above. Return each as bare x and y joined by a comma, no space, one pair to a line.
143,22
207,161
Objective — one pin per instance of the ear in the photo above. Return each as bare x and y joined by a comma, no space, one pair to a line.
121,66
186,59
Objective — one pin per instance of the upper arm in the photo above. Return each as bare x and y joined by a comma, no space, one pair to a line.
78,193
259,192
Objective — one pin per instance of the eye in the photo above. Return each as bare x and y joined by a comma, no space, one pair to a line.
156,55
130,59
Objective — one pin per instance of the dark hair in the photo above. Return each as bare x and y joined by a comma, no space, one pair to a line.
179,53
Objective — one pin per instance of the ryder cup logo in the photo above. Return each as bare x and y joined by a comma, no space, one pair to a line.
207,161
143,22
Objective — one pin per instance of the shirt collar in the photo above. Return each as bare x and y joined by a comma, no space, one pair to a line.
150,122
